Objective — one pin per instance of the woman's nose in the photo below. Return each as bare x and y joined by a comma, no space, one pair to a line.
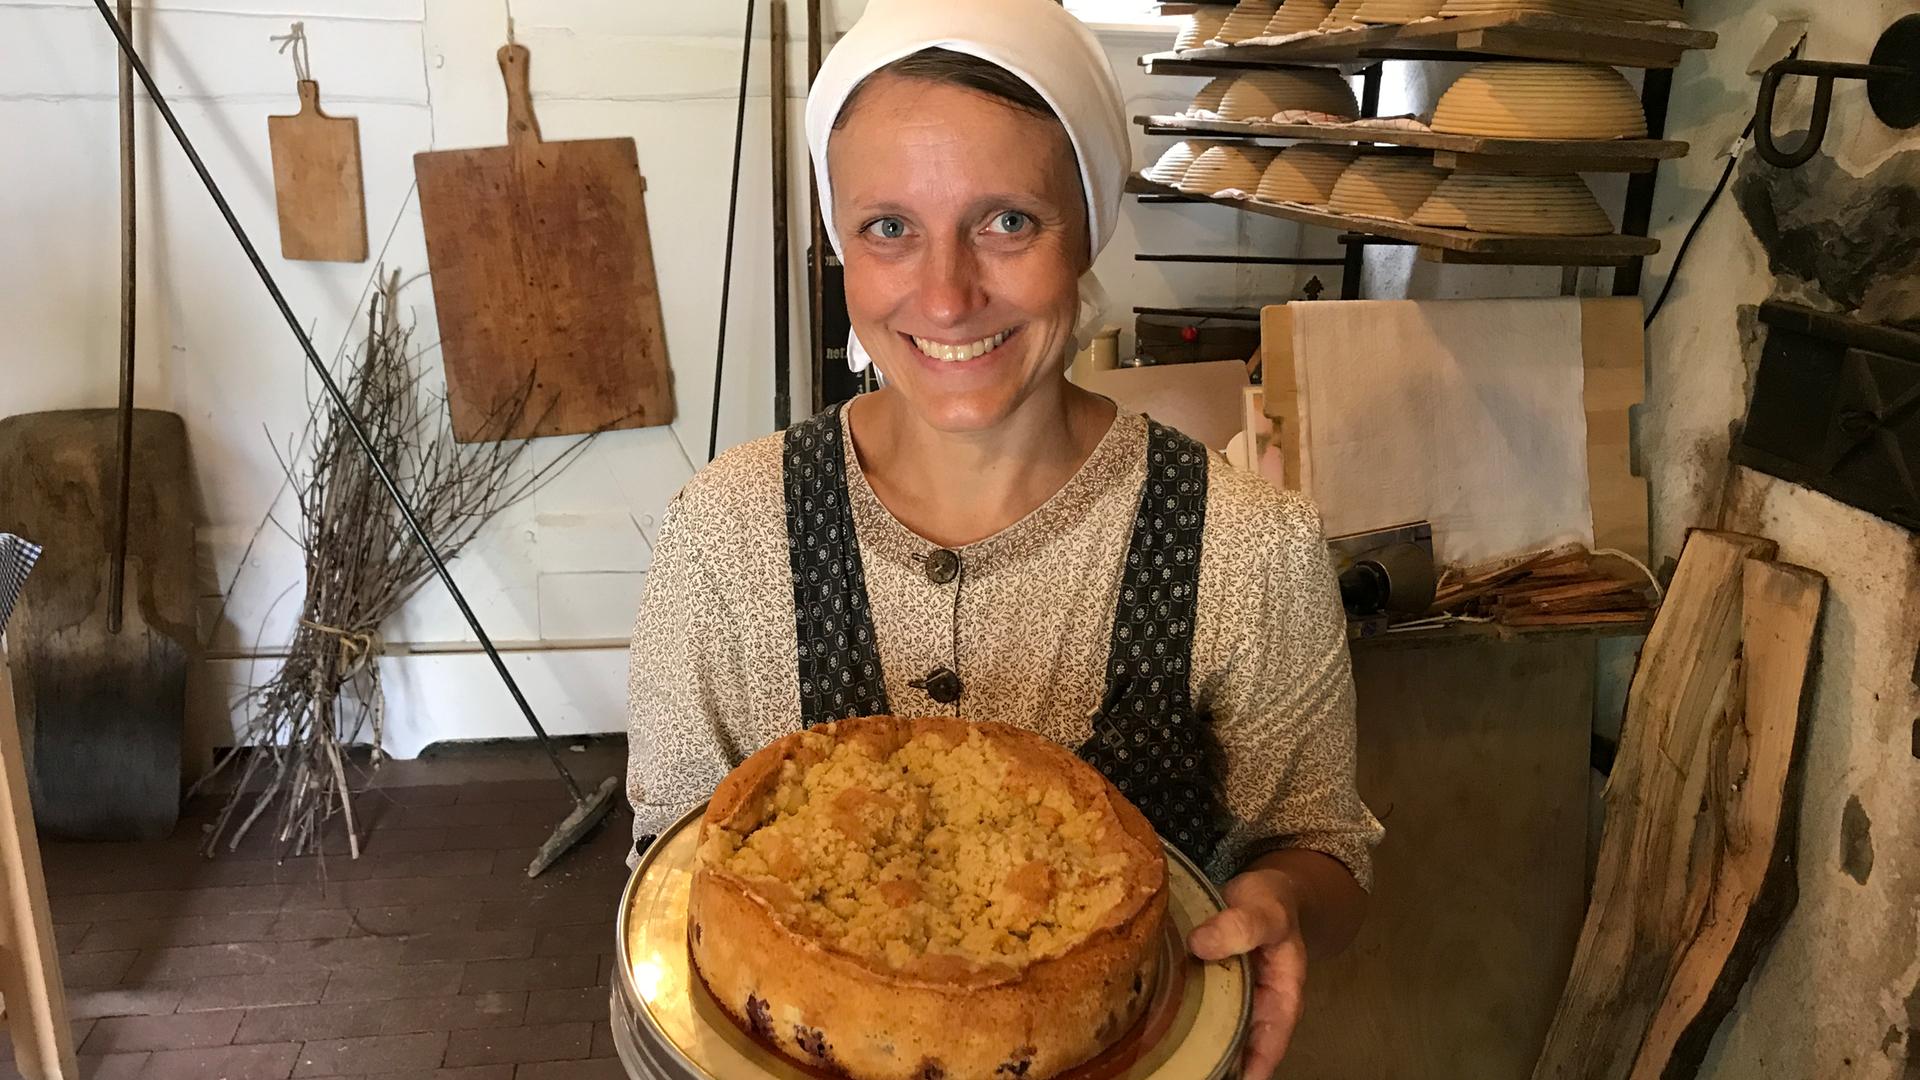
950,285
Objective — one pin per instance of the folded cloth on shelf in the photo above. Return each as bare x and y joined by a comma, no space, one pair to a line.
1466,413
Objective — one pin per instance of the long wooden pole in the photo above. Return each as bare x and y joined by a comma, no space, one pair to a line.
36,998
123,481
816,241
782,324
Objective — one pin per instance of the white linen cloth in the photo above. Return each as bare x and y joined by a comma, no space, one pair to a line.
1466,413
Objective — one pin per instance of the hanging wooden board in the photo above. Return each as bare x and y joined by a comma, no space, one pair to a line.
543,279
101,714
316,182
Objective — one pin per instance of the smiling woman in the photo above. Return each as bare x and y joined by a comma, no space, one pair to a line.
981,539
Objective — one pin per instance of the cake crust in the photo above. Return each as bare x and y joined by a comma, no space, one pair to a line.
942,1013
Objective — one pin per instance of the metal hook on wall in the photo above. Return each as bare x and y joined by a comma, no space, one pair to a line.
1893,90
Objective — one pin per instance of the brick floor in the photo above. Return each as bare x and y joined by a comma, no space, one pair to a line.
432,957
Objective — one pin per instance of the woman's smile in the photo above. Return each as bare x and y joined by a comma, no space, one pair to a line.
959,352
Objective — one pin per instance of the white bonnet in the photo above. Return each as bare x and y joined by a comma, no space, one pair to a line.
1036,40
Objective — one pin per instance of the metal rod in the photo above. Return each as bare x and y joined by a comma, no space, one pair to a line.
1636,211
1251,260
1835,69
816,242
123,478
733,214
339,399
1354,266
782,324
1236,314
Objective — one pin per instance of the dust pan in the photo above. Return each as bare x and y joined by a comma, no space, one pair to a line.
99,644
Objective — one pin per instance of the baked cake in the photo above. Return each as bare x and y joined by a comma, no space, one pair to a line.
927,899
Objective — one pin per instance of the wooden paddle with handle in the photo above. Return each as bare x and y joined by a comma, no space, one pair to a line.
317,183
543,279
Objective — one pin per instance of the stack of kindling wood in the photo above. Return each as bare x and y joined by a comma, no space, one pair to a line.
1696,868
1551,588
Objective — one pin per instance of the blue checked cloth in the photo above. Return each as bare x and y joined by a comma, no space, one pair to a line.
17,557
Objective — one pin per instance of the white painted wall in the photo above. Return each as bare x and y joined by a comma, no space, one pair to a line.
556,579
1839,993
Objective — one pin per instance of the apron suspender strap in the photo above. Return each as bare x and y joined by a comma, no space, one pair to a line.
840,672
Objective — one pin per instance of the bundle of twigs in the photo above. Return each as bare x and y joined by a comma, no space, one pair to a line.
362,563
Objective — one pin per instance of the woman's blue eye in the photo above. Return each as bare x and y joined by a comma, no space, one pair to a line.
888,228
1010,221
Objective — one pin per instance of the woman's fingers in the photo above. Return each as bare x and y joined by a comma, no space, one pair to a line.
1264,1047
1232,932
1281,971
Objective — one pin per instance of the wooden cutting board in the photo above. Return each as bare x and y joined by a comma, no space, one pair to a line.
543,279
316,181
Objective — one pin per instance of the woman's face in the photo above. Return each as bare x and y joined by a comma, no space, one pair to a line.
964,237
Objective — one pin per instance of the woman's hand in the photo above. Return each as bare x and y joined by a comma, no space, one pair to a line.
1287,906
1262,918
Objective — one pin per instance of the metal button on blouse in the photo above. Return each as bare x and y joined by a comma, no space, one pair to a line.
942,566
942,684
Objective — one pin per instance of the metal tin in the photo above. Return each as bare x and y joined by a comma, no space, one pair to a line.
666,1027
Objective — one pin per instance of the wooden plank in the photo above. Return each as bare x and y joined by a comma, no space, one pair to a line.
1492,247
1576,48
1518,34
1613,353
36,999
1605,155
1517,165
1642,34
1579,590
543,280
1474,749
1498,258
1280,381
316,182
1647,879
1752,808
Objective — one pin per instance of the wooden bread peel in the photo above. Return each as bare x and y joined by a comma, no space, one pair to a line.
544,282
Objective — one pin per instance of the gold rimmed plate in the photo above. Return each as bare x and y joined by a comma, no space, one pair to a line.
667,1027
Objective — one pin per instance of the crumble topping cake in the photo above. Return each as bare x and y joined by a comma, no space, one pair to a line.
899,898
